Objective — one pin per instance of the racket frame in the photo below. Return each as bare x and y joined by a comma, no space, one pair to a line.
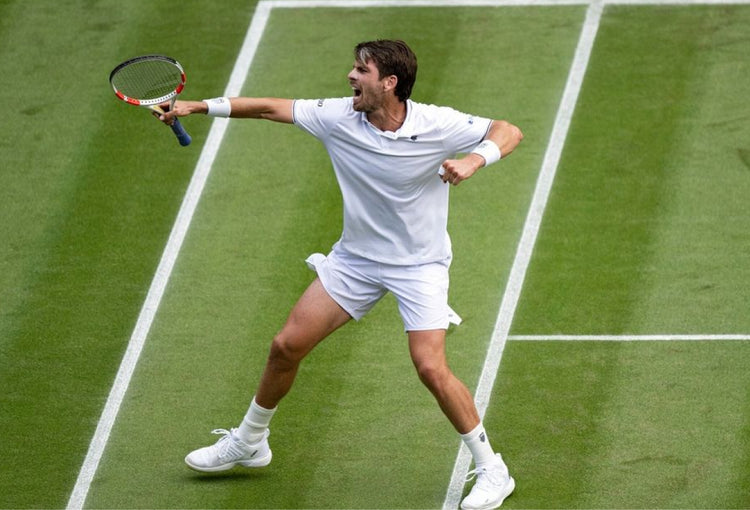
153,104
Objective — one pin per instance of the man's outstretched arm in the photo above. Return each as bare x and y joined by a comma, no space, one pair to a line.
269,108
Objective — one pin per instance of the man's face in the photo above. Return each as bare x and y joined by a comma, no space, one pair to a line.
369,89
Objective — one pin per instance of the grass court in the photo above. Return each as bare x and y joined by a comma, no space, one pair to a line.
614,304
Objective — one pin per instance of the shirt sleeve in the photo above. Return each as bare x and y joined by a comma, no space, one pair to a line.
319,116
462,131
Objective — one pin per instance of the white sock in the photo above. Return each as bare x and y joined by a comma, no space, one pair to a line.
255,423
479,445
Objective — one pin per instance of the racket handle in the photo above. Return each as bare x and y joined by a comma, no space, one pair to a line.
180,133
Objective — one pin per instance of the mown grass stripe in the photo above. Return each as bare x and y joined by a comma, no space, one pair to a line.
528,239
166,264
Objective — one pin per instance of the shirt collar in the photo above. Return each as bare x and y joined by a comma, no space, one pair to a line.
405,131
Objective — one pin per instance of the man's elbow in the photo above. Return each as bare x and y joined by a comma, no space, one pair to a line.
510,134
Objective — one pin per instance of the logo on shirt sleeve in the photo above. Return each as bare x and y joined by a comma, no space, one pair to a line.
320,103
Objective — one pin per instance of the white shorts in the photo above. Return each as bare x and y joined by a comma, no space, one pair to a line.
357,284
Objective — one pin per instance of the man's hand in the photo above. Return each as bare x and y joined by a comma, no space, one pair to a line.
503,134
454,171
181,109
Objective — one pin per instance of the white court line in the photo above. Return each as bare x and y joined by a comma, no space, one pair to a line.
528,239
366,4
200,176
625,338
164,270
363,4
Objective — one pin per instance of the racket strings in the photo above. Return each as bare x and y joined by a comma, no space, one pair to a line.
148,79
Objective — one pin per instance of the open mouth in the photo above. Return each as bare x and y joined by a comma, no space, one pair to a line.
356,96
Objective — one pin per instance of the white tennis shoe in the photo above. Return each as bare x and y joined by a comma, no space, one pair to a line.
230,451
493,485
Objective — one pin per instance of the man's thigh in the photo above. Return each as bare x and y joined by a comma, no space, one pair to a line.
315,316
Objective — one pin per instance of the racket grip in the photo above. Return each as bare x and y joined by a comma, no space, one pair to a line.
180,133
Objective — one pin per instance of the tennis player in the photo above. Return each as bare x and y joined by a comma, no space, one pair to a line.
395,161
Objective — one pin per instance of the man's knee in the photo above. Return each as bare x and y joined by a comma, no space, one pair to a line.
433,375
285,352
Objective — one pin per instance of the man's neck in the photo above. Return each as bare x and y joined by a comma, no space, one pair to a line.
390,117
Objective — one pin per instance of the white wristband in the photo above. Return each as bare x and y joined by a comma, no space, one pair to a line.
489,151
218,107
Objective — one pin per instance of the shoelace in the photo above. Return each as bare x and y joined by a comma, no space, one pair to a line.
227,447
221,432
486,477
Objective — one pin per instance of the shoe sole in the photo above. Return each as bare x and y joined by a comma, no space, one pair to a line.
509,488
253,463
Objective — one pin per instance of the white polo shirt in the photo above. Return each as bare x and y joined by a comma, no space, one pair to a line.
395,204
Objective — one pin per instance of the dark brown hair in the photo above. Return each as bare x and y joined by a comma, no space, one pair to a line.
391,58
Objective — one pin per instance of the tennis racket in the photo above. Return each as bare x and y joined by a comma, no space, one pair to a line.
149,81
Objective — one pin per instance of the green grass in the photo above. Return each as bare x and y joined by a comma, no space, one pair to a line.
87,203
625,425
645,233
646,223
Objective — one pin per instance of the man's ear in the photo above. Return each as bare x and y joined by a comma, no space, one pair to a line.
390,82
